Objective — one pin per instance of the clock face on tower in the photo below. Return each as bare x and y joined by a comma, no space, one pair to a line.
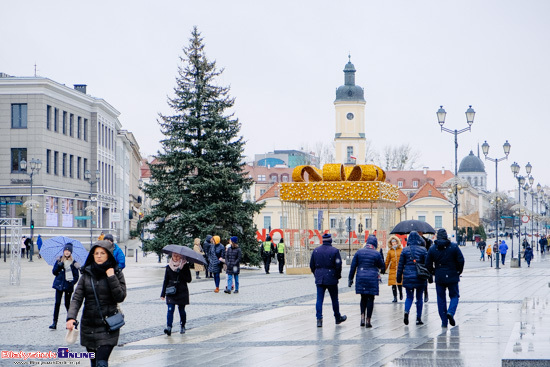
350,116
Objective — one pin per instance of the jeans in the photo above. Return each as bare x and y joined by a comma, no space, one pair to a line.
58,295
170,314
442,300
482,255
419,300
217,279
230,281
502,257
333,291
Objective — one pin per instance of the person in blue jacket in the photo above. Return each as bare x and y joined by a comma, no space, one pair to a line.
367,262
528,255
446,261
39,245
503,249
118,253
406,273
66,274
326,265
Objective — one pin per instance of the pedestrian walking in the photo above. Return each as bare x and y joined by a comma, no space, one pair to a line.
326,266
101,236
367,262
102,283
216,258
28,244
528,255
427,243
23,247
175,291
392,260
39,245
117,251
543,242
281,255
503,248
208,241
445,260
233,257
267,252
489,252
481,246
415,252
198,249
66,274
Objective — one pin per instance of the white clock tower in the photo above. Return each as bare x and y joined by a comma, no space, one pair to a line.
349,104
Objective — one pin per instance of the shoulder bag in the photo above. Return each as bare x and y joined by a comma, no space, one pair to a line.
113,322
172,290
421,271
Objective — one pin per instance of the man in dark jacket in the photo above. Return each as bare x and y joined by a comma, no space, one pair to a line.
206,249
449,263
326,265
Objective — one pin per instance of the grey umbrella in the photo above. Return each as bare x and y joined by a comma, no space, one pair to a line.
407,226
190,255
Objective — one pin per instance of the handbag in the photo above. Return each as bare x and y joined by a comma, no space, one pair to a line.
170,291
113,322
72,335
421,271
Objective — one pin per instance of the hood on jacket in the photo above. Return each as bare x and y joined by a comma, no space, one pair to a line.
442,240
208,238
415,239
372,240
394,237
107,245
442,234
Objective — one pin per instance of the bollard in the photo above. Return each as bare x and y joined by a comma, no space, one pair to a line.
136,254
125,248
31,251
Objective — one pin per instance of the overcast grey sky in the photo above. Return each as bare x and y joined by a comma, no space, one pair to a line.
283,61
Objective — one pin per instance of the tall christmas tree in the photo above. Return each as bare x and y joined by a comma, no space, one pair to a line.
198,182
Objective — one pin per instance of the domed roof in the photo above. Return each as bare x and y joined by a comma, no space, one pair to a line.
349,91
471,163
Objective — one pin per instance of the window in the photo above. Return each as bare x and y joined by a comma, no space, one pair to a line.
71,125
283,221
64,165
85,129
332,223
262,191
55,119
55,164
284,178
267,222
438,221
19,116
48,117
85,168
71,161
273,178
349,155
48,158
400,184
18,155
261,177
316,223
79,127
64,127
422,218
415,184
78,159
368,223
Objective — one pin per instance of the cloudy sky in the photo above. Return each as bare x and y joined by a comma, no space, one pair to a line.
283,61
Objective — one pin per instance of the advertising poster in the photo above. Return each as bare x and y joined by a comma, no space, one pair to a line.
51,211
67,212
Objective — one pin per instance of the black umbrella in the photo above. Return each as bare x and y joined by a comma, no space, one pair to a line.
190,255
407,226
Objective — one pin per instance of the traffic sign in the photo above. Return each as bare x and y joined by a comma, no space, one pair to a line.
525,218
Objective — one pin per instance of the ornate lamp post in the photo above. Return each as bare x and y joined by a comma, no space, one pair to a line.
521,182
485,148
498,198
470,114
90,208
35,166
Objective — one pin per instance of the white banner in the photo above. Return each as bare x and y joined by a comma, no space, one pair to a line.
51,211
67,211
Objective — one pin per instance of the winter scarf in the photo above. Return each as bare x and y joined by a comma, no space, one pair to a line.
176,265
67,262
100,270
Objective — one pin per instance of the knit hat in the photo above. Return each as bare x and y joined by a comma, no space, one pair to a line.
372,240
234,239
442,234
281,240
268,238
327,239
109,237
216,239
69,247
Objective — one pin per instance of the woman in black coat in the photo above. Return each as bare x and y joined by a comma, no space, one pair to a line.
110,287
177,275
216,256
406,272
66,274
233,256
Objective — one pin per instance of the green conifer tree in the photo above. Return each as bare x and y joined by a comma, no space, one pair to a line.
197,183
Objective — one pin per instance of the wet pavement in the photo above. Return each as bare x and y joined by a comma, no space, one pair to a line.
502,314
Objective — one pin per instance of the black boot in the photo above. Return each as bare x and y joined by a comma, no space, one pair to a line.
168,330
406,318
341,319
102,363
368,325
319,322
419,321
198,276
54,325
394,299
182,329
362,319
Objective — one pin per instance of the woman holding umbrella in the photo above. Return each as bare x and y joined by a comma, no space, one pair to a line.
175,291
101,288
66,274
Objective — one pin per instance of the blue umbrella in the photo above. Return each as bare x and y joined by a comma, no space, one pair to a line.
52,249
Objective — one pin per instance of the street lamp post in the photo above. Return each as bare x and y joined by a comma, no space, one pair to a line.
521,181
537,198
35,166
485,148
88,176
470,113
